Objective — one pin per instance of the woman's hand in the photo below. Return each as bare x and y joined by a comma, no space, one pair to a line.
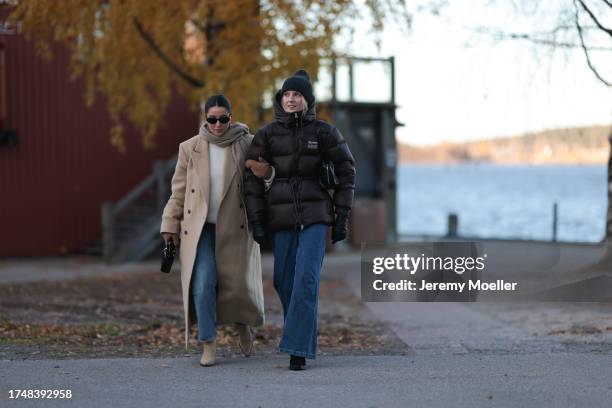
168,236
260,168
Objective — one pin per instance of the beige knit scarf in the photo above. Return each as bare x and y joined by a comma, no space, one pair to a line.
237,138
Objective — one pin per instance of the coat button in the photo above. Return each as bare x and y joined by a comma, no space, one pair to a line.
242,227
188,211
193,190
185,232
241,206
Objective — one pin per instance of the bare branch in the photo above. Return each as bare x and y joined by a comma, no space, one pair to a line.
174,67
597,23
608,3
584,47
538,38
563,27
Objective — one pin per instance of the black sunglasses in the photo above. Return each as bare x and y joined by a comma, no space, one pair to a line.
212,120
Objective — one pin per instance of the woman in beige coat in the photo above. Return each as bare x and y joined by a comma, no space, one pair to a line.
220,261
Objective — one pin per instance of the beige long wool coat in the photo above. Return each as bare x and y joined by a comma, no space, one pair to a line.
240,292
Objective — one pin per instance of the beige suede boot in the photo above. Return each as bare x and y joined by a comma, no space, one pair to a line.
246,338
208,353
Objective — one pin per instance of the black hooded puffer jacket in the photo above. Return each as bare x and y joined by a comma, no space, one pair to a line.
295,145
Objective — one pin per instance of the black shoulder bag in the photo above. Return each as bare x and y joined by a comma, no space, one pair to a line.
328,178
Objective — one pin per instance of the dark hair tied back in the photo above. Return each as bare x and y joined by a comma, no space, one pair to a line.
218,100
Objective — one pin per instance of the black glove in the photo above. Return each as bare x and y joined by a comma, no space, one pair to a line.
259,234
340,227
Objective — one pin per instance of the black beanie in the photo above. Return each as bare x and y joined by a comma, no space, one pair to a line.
218,100
300,81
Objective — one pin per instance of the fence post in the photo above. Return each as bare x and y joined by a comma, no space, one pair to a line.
108,230
453,225
554,222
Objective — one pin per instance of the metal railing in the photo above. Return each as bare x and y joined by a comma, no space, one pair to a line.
130,226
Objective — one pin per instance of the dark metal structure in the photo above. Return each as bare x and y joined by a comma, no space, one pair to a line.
362,106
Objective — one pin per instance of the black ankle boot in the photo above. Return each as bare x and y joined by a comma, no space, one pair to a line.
297,363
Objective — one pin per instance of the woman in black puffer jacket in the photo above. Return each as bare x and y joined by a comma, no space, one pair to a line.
291,205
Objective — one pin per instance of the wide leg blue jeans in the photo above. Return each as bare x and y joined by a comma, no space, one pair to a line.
298,259
204,284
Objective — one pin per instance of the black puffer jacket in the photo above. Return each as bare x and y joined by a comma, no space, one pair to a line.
295,145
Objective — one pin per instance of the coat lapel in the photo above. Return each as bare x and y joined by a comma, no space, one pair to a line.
201,166
229,172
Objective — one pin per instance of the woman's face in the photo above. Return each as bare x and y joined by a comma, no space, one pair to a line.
292,101
213,115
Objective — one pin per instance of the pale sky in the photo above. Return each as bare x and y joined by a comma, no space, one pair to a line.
448,90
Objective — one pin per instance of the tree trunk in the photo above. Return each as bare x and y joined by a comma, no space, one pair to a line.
605,263
608,236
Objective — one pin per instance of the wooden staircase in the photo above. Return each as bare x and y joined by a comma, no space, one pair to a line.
130,226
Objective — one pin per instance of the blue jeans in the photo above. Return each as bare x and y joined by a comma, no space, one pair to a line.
204,284
298,259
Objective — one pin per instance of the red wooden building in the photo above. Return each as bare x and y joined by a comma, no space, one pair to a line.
57,165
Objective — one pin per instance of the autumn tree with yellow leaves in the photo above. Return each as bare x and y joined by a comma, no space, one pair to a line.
136,52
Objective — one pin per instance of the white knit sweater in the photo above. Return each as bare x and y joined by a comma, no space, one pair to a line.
216,157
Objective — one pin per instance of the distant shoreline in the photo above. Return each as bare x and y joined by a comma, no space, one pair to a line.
574,146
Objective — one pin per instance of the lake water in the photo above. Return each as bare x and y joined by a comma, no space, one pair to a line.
495,201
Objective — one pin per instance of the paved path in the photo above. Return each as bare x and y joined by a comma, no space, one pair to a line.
465,355
496,328
567,380
54,269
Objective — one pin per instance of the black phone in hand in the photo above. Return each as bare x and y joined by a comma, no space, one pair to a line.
168,254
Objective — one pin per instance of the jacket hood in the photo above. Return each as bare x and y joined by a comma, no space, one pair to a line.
288,119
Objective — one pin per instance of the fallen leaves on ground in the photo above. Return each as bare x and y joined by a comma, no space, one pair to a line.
140,314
